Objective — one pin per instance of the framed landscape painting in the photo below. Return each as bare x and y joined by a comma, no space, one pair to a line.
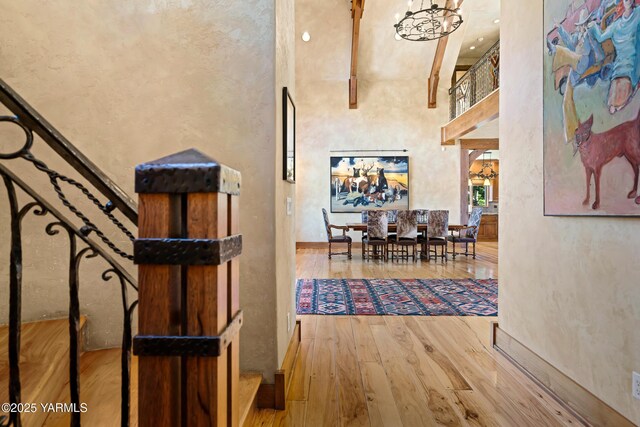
363,183
591,107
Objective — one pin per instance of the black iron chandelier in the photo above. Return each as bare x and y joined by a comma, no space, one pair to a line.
482,174
429,21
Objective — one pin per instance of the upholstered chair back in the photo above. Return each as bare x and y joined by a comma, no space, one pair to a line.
407,224
438,224
326,223
392,216
377,225
474,221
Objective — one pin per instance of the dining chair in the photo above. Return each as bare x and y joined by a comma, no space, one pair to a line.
423,218
392,218
467,235
407,236
364,216
374,245
336,239
437,229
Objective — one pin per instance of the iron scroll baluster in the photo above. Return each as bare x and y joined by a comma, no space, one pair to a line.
15,301
41,208
95,187
125,359
15,294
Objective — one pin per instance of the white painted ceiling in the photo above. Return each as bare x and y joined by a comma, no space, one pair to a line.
488,130
381,56
479,23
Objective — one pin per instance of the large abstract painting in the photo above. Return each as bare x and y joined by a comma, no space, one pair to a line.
591,107
360,183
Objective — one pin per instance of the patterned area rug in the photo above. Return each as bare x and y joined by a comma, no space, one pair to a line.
399,297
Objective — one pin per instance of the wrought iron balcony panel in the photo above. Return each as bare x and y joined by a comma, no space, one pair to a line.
477,83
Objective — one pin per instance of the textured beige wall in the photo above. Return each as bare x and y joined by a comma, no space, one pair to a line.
285,224
392,109
132,80
389,116
569,286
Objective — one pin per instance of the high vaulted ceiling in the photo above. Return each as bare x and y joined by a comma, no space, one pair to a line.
381,57
480,24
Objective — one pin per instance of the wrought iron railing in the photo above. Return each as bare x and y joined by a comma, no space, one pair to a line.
186,253
479,81
80,241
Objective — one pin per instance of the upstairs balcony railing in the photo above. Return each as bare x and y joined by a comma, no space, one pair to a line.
477,83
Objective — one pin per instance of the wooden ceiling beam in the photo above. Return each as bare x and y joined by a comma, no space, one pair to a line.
475,155
480,144
357,8
434,77
483,112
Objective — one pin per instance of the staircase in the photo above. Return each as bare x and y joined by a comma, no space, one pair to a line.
182,367
45,365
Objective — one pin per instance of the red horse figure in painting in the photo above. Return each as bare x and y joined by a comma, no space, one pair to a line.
598,149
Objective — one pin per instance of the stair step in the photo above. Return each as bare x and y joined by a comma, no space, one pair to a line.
100,390
44,363
248,390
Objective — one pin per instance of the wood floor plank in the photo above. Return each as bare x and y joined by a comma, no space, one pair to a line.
264,418
380,401
405,387
545,400
444,369
308,326
323,385
351,398
44,364
514,404
412,355
472,410
299,389
293,416
365,344
247,389
100,382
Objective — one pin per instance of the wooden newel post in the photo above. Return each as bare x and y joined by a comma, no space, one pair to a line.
189,313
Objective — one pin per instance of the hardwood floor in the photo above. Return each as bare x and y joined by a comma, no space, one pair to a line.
314,263
351,370
407,370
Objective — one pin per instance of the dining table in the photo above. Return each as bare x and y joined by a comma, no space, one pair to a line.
392,227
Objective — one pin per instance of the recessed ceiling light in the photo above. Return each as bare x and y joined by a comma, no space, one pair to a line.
480,39
472,47
497,21
306,36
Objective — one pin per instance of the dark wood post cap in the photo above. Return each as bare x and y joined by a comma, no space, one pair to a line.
188,171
